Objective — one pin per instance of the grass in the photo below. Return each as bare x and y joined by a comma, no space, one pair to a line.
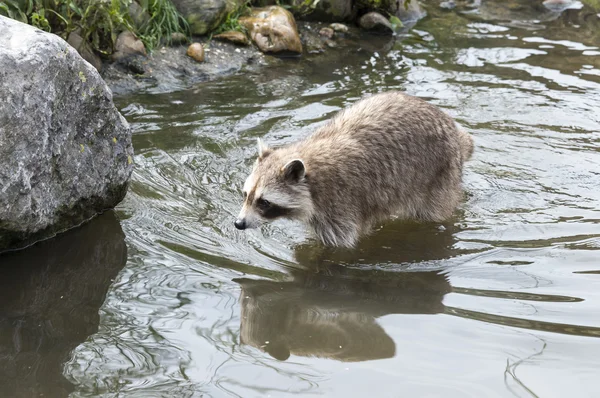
164,21
98,21
232,21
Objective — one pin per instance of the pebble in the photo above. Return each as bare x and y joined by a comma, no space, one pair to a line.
327,32
196,51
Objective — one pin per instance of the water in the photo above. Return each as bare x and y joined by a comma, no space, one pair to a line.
164,297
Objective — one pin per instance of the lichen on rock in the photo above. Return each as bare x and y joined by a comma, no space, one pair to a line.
54,104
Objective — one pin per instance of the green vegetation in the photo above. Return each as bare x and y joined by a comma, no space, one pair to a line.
396,22
595,4
164,21
232,21
99,21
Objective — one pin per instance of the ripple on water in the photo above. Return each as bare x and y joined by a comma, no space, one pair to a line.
501,300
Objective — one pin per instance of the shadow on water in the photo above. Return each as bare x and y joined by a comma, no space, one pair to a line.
334,315
328,309
395,243
329,305
50,294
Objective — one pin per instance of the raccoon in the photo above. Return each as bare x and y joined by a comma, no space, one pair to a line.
387,155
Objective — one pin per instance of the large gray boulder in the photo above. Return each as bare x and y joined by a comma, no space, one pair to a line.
65,151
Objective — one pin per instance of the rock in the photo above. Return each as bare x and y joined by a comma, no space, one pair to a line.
273,29
196,51
65,151
339,27
128,45
135,65
411,13
130,53
313,43
204,16
327,32
234,37
84,49
178,38
330,11
375,22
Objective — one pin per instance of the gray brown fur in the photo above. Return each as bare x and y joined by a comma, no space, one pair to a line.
387,155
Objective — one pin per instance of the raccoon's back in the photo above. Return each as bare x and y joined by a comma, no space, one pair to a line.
390,113
382,150
392,126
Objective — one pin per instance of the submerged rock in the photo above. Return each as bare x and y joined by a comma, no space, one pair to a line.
327,32
273,29
375,22
196,51
410,13
339,27
312,41
234,37
65,151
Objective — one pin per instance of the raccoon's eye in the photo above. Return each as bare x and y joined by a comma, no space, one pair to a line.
245,194
262,203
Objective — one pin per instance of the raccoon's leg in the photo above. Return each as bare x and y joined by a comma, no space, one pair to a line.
443,196
336,234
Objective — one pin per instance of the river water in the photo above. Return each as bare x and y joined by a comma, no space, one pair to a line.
164,297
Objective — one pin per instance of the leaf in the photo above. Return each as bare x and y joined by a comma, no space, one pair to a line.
4,10
73,6
396,22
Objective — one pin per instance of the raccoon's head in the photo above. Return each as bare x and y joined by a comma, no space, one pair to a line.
276,188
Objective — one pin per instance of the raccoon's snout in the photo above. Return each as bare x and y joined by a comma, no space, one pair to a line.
240,223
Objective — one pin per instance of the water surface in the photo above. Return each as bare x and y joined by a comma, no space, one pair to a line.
502,300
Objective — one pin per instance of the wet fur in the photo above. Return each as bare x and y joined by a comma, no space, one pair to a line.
388,154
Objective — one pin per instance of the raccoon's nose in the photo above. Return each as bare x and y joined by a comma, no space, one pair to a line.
240,224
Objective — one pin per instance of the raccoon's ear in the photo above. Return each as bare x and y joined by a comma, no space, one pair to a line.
294,170
263,149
